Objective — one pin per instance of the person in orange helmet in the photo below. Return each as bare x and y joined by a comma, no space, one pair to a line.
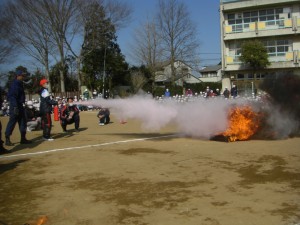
45,109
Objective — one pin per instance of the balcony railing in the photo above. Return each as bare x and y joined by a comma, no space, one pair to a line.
261,25
229,1
273,57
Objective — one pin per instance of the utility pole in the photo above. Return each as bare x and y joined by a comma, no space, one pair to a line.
104,73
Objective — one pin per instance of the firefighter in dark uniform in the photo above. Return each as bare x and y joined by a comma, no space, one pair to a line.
16,98
2,149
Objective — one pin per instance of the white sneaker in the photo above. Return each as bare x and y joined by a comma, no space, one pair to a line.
48,139
101,124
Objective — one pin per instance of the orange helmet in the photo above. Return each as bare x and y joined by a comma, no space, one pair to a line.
43,81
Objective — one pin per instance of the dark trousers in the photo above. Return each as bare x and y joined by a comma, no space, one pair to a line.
1,142
13,120
75,119
105,120
46,124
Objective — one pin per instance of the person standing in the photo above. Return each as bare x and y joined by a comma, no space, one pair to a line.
45,110
226,93
95,94
234,91
86,94
16,98
167,93
2,149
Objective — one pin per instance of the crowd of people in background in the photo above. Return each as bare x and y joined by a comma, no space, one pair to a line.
208,93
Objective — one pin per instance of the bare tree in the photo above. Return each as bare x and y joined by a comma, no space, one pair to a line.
178,33
119,12
147,47
41,27
48,27
138,80
62,19
6,49
29,30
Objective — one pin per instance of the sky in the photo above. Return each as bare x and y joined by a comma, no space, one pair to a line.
205,14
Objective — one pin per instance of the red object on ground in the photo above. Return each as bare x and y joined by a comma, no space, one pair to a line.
55,111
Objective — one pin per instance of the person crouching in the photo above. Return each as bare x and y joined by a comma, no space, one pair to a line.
103,116
69,114
33,119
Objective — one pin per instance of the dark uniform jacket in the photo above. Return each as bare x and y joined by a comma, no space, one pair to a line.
46,102
66,111
16,95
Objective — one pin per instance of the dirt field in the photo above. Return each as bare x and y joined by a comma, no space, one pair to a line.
117,174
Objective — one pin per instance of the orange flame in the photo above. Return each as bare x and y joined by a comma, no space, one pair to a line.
243,124
42,220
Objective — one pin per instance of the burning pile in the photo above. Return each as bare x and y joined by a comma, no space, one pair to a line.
243,124
40,221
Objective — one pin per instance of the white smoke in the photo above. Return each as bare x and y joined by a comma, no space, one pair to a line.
282,123
200,118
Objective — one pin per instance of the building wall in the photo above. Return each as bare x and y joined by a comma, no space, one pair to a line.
274,22
213,76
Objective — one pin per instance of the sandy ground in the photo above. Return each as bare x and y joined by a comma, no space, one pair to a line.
118,174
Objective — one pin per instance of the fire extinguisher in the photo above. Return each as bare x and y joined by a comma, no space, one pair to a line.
55,112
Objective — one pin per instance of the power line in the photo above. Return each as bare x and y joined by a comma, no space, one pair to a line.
207,53
210,59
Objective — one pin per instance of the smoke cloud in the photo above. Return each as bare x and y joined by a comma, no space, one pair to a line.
283,109
206,118
200,118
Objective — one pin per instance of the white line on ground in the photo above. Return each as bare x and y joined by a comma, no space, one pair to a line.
85,146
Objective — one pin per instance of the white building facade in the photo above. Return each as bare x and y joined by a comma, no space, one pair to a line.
276,23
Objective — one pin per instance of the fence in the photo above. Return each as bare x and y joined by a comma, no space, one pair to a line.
58,94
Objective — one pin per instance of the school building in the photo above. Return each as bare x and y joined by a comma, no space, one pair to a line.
276,23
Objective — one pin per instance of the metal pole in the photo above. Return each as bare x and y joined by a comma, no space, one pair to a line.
104,74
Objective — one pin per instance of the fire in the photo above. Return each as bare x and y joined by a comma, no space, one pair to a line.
243,124
42,220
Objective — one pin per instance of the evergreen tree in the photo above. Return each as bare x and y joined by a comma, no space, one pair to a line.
254,54
102,58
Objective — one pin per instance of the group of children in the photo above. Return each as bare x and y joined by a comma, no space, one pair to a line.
69,112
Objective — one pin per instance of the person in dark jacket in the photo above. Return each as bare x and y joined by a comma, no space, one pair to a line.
234,91
69,114
2,149
226,93
45,110
103,116
16,98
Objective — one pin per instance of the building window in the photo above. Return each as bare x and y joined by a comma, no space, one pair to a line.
260,76
278,47
241,76
272,17
250,76
274,48
235,49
